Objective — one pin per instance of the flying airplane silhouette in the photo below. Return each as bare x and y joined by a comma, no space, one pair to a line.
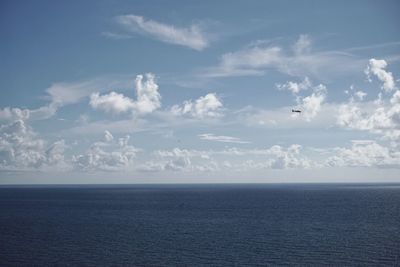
296,110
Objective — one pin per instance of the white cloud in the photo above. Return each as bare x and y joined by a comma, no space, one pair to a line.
354,116
22,149
222,138
173,160
365,153
108,136
312,104
13,114
148,98
55,154
19,146
300,61
381,116
131,125
289,158
303,45
45,112
360,95
283,118
294,87
377,67
184,160
111,155
309,105
208,106
178,160
116,36
232,159
62,94
41,113
246,62
355,95
275,157
395,99
111,103
192,37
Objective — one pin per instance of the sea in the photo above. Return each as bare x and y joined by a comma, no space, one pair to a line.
200,225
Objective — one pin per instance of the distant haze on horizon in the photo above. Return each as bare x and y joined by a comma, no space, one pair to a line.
199,92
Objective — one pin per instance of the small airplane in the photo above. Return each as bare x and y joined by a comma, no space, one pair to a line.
296,110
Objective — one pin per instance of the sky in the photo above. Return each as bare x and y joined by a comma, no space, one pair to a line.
199,91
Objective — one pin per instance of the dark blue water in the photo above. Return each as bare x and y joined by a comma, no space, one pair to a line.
200,225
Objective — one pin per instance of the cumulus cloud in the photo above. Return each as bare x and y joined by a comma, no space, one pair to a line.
13,114
287,158
41,113
22,149
275,157
185,160
380,117
192,36
355,95
354,116
222,138
311,104
55,154
365,153
208,106
110,155
148,98
111,103
294,87
377,67
382,120
174,160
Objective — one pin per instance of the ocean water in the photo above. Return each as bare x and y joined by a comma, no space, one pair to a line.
198,225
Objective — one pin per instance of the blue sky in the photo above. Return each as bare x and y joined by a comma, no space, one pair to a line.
201,91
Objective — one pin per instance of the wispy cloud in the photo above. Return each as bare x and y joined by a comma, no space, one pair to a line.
374,46
222,138
283,118
192,36
300,60
115,36
63,94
